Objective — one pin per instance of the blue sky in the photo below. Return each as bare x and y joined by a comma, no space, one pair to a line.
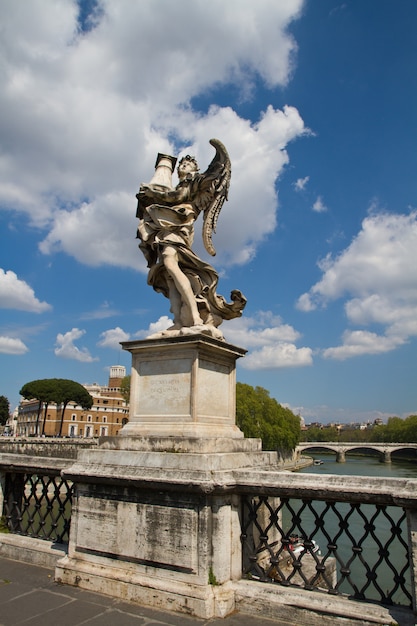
316,103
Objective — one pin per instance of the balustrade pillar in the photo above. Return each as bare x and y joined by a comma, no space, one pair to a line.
412,543
2,490
13,498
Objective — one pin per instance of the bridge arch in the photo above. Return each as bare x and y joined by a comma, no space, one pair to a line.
324,447
380,453
383,450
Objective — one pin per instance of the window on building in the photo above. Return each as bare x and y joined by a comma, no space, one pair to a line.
73,417
104,418
89,418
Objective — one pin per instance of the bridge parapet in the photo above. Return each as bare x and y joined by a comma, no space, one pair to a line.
385,450
250,503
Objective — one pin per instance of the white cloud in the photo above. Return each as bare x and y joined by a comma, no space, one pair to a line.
319,206
155,327
111,338
305,303
330,414
84,115
300,183
10,345
17,294
280,356
271,343
99,232
377,274
359,342
102,312
68,350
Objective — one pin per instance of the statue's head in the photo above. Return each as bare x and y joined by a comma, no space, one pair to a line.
187,165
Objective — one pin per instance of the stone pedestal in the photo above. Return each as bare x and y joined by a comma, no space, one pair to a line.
182,387
155,519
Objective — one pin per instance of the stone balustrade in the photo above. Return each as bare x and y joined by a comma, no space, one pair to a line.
244,509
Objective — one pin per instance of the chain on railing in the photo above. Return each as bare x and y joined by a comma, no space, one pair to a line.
354,549
38,505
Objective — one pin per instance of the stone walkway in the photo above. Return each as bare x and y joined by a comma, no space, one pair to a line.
29,596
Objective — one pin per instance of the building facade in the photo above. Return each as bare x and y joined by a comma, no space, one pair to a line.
106,417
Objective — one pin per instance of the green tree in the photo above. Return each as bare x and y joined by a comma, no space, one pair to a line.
71,391
4,410
42,390
393,431
355,435
315,433
260,416
57,390
410,429
125,388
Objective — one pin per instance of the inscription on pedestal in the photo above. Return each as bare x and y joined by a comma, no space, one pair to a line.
164,387
151,534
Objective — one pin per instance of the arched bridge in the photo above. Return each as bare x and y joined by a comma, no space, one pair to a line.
341,449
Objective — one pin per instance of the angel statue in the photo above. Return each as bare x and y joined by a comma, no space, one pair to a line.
166,232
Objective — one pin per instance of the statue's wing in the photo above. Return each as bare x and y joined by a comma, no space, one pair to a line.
215,187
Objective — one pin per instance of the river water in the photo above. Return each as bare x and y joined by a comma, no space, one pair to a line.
367,466
361,466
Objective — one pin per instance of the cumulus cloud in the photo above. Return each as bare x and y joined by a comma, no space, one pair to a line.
85,113
163,323
300,183
358,342
68,350
111,338
319,206
100,232
271,343
17,294
377,274
10,345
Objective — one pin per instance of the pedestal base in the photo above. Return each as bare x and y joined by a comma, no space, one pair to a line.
167,595
160,528
154,518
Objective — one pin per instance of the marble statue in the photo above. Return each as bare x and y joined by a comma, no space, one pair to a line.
166,231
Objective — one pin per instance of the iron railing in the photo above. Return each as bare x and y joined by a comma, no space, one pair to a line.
38,505
350,548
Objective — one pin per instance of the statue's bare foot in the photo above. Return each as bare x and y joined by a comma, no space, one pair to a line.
175,326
